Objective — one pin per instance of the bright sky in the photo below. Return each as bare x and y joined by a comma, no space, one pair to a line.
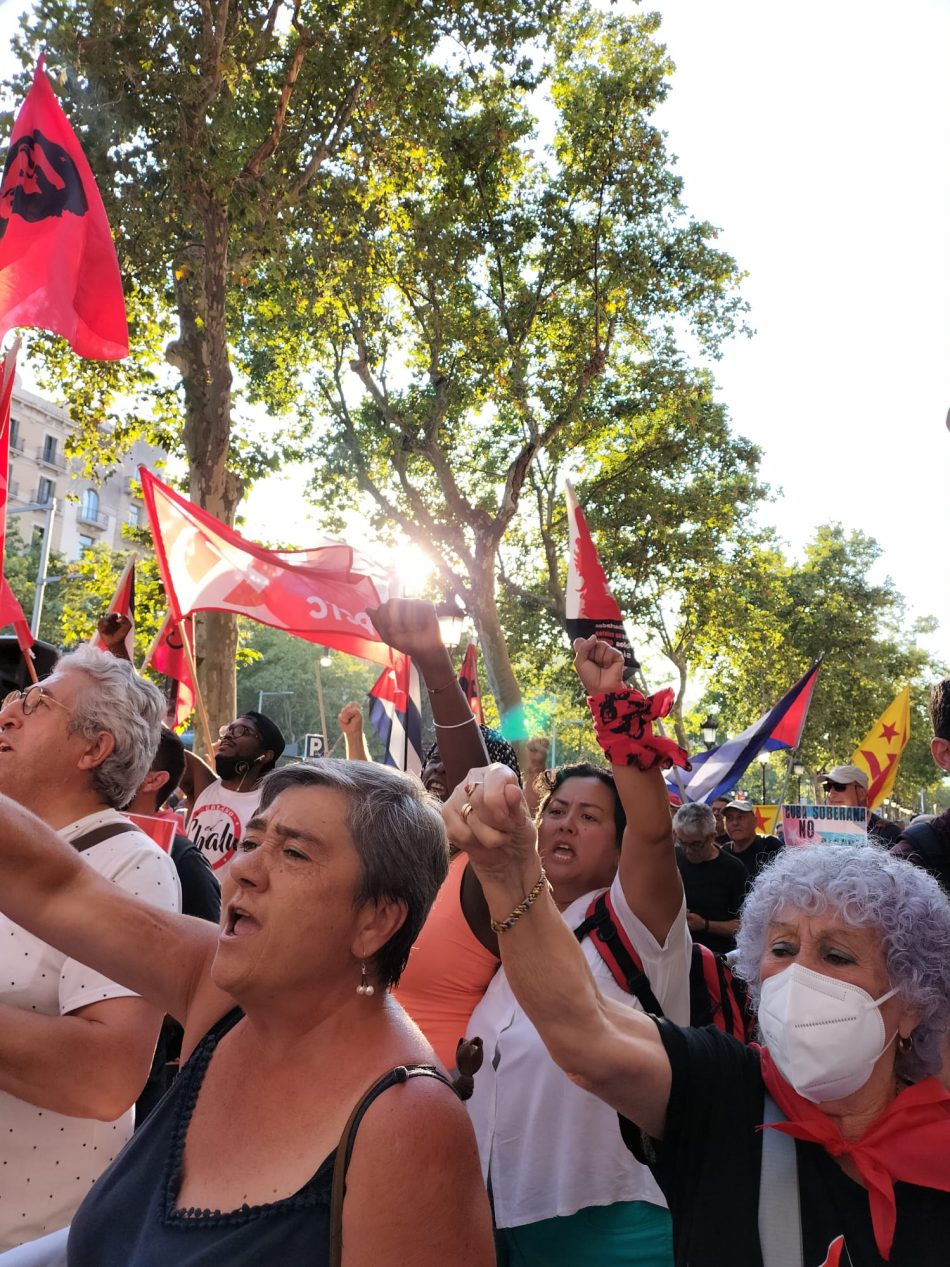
817,138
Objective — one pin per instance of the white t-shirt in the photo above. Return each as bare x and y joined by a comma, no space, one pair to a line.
552,1148
217,823
48,1161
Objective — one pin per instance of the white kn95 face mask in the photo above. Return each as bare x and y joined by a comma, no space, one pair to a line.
824,1035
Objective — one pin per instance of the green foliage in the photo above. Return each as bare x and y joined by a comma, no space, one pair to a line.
778,616
285,669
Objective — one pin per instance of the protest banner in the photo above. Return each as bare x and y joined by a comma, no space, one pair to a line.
824,825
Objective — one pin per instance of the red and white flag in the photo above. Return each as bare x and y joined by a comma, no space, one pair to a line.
123,601
58,266
319,594
167,656
590,608
468,681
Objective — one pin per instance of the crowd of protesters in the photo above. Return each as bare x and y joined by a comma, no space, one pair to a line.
355,1018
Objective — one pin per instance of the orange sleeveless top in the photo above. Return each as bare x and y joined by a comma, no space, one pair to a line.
448,970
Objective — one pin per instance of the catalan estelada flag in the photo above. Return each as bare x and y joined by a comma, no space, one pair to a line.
880,751
766,819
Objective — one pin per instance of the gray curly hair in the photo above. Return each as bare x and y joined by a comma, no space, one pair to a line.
867,888
125,706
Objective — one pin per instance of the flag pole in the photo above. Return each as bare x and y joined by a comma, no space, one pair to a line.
323,715
199,699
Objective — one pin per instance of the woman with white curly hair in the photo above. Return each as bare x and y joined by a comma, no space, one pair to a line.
847,955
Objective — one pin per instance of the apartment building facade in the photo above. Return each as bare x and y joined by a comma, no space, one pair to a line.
86,511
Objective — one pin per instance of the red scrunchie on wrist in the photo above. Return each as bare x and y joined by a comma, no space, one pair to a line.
622,724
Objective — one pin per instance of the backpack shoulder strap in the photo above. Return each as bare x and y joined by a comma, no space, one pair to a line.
780,1222
615,948
401,1073
105,832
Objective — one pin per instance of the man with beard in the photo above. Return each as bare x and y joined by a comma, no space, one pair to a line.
223,799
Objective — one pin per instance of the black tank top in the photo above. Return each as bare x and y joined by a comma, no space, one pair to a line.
129,1218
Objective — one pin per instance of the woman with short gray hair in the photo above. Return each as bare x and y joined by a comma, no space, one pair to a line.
288,1021
847,952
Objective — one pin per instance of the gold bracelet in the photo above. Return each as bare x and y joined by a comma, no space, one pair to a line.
503,925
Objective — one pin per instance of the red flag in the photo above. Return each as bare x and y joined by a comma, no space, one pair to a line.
58,267
167,656
468,681
11,613
320,594
123,600
7,375
590,608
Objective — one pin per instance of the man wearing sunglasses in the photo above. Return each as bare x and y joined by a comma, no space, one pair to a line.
848,785
75,1048
224,799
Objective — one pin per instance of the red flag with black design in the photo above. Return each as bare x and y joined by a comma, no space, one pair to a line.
123,602
167,656
590,608
468,681
58,266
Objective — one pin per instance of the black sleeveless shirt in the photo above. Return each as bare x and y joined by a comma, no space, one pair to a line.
130,1218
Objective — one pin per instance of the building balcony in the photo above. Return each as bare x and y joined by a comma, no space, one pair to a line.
55,461
92,518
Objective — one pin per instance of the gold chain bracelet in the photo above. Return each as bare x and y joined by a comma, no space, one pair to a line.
503,925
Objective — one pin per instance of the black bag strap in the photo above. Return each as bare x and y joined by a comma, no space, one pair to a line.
98,834
401,1073
609,944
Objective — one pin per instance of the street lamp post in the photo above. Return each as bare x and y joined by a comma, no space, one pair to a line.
708,731
763,760
798,770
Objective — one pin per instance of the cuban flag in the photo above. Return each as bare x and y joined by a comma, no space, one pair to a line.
589,607
719,770
395,709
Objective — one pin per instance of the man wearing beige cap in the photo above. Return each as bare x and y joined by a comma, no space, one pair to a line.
752,850
848,785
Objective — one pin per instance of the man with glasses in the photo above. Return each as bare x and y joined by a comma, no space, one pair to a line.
75,1048
224,799
713,881
848,785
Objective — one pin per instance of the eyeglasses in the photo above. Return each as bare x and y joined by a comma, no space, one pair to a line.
238,730
31,698
829,786
693,844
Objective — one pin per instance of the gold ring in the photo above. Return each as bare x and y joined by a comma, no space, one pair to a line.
469,788
466,810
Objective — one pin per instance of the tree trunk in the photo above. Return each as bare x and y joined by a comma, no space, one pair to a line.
201,355
501,679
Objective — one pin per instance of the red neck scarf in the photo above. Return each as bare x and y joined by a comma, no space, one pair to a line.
908,1143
